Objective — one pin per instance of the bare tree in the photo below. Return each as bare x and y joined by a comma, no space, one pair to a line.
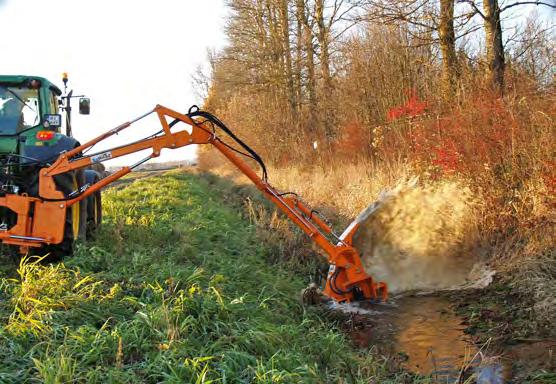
494,46
533,50
492,19
447,41
328,15
427,18
306,64
323,39
286,53
299,62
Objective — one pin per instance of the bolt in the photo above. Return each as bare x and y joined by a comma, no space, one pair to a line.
61,205
190,140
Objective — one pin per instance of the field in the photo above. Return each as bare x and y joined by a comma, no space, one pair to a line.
440,114
178,287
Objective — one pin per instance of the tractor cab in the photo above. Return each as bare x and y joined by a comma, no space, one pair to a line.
28,103
35,127
31,110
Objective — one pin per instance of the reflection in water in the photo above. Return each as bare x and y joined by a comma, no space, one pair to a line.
491,374
431,340
425,337
432,337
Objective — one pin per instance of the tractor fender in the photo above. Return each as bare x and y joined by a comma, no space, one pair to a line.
48,152
92,176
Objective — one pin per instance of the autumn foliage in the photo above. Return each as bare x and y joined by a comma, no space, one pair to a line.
412,108
379,113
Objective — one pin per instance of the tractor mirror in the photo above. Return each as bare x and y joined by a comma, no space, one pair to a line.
84,106
52,121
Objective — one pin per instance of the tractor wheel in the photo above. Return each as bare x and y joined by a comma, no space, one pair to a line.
76,217
94,203
94,214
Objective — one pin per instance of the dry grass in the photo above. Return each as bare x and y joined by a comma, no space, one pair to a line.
488,185
429,236
412,240
341,189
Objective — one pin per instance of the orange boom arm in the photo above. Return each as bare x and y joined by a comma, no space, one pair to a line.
346,280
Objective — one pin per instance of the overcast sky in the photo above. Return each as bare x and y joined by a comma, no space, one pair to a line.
126,55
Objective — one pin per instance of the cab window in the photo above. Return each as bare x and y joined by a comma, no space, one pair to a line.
53,103
19,109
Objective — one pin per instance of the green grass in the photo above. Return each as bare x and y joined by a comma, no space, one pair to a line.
178,288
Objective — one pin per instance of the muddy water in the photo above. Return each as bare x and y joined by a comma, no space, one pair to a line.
432,338
427,338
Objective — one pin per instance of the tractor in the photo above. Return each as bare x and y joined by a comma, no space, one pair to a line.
35,129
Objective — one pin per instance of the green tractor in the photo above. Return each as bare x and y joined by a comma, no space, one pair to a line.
33,113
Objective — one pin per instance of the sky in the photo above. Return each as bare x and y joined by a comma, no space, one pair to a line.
126,55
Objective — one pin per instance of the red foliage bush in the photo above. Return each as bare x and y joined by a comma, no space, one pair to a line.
446,157
484,134
412,108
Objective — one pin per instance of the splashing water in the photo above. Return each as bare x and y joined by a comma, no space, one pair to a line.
419,237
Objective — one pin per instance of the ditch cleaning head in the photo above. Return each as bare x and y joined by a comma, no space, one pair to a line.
417,237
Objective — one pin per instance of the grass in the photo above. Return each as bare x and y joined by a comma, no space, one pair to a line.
178,287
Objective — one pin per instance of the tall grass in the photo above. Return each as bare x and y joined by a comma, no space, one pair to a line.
179,288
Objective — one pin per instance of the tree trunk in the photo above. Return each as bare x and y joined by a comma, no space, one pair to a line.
447,37
310,66
300,20
288,73
262,38
494,46
322,37
275,41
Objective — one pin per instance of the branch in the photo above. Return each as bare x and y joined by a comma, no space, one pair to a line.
337,6
469,31
425,40
390,14
336,15
525,3
337,35
472,4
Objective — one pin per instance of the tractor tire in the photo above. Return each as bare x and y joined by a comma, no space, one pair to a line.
94,214
75,228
